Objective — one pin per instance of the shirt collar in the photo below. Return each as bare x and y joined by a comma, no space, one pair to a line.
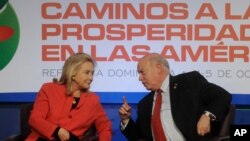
165,84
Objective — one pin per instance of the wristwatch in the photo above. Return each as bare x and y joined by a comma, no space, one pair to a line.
210,115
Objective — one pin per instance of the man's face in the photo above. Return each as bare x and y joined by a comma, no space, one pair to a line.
148,74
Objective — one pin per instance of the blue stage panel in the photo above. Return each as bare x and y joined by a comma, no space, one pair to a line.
108,97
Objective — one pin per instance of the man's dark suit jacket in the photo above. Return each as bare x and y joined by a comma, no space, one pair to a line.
190,95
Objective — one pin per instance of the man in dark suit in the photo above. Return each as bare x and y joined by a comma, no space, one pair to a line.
192,108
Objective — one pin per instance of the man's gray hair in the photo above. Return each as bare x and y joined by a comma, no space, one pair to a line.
155,57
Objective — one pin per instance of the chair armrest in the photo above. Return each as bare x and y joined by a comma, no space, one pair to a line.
90,134
222,138
16,137
90,138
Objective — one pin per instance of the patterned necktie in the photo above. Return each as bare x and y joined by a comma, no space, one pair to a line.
158,131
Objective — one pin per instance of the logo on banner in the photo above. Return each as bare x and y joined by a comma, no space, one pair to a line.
9,33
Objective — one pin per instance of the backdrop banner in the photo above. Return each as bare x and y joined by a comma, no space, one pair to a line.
36,36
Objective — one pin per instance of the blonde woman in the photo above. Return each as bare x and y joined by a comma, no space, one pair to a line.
64,110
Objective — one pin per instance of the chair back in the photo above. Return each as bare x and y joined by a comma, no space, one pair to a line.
224,132
25,110
229,119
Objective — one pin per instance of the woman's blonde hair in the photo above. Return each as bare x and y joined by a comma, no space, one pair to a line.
71,66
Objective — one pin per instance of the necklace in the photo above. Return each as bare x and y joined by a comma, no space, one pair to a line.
76,97
74,100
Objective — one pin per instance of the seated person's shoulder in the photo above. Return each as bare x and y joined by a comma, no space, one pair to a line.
51,84
190,74
93,96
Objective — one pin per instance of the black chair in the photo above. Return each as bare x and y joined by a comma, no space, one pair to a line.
224,133
25,109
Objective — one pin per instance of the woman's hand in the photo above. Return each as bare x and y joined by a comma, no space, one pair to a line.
63,134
